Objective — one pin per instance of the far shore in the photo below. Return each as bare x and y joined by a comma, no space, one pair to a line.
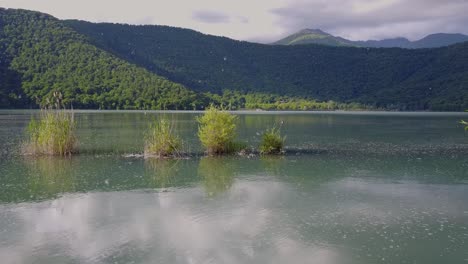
267,112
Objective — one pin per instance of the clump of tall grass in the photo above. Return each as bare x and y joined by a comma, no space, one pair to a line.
217,131
53,133
161,142
272,142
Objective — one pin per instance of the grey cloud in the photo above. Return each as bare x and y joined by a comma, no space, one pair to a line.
210,17
363,19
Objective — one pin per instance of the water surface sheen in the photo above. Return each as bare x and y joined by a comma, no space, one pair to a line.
354,188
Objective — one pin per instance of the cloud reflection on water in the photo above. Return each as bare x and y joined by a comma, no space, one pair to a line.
185,226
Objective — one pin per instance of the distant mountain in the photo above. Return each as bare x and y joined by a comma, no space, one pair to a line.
317,36
385,43
313,36
438,40
116,66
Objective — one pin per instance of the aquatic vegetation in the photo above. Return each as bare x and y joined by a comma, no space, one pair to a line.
161,141
52,134
463,122
217,131
272,142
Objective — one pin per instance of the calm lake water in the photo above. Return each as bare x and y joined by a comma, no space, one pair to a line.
353,188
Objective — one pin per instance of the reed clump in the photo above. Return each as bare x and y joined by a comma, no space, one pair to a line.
272,142
161,142
217,131
53,133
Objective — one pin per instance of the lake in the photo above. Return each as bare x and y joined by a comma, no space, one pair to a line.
354,187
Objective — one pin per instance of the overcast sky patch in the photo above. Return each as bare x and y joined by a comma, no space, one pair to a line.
269,20
206,16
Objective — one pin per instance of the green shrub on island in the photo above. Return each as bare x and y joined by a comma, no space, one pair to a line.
161,141
272,142
217,131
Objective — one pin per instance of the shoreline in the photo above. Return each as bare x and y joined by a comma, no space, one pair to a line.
244,111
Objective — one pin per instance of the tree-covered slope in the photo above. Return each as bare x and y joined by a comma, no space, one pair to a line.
435,79
116,66
39,55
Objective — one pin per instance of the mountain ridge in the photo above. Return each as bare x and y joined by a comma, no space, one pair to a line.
316,36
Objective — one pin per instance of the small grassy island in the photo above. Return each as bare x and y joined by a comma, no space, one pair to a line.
272,142
53,133
161,142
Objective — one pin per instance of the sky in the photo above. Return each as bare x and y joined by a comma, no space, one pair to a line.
269,20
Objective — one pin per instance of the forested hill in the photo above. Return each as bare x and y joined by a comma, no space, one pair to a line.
39,55
317,36
435,79
116,66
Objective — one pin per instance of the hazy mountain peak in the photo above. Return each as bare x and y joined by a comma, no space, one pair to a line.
313,36
317,36
313,31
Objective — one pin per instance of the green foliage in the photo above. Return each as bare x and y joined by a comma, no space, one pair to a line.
217,131
52,134
426,79
235,100
272,142
465,124
39,55
161,140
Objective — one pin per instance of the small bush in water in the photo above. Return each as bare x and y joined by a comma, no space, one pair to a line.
161,141
217,131
272,142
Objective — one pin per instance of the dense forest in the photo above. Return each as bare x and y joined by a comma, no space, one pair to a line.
40,55
114,66
434,79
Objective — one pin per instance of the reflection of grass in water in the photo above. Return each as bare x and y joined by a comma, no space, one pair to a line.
161,172
273,165
217,174
50,176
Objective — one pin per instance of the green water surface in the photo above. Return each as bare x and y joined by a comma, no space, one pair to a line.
357,188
